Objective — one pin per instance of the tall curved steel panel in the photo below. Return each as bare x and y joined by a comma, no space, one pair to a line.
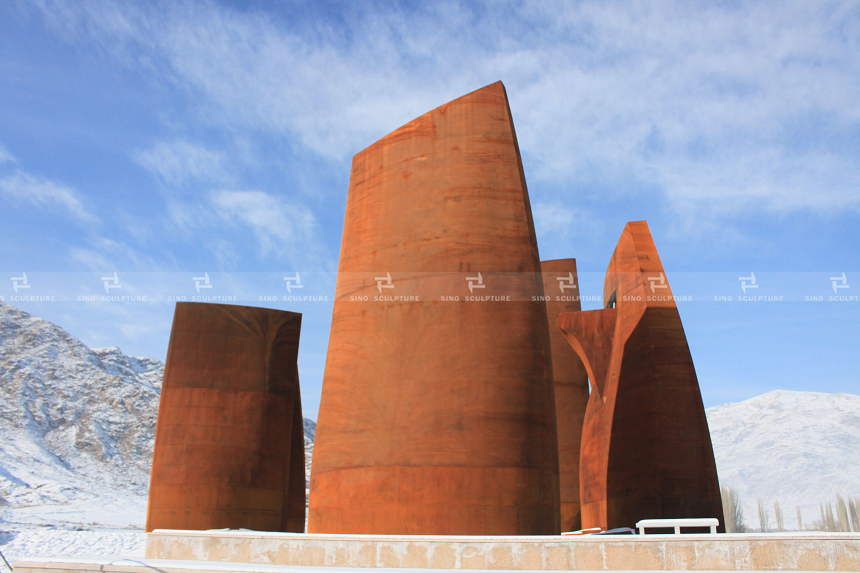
561,288
437,413
646,450
229,445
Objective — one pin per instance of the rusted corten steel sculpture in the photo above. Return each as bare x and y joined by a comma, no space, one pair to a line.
229,440
561,288
437,414
646,449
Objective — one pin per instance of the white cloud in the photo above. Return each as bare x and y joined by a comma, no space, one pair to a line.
562,220
90,259
178,161
742,104
279,226
136,331
104,254
563,228
45,193
188,216
717,107
5,156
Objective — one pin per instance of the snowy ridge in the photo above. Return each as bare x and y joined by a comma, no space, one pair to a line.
798,448
77,427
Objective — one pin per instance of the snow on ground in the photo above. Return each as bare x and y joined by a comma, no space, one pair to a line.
18,543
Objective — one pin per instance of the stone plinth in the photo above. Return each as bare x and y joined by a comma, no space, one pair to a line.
740,552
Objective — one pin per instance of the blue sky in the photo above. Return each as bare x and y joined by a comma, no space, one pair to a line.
164,140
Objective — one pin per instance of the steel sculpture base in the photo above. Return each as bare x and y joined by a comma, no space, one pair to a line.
229,442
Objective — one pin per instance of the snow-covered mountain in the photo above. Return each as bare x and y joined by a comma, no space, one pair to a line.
77,426
797,448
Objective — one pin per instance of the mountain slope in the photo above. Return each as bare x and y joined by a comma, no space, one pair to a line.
77,423
798,448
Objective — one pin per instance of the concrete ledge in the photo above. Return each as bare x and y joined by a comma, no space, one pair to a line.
732,552
108,565
118,565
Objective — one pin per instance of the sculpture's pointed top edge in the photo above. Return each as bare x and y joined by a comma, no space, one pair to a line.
643,222
497,85
493,87
639,230
636,241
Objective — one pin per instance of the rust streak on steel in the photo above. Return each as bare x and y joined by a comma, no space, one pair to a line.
561,287
646,450
437,415
229,446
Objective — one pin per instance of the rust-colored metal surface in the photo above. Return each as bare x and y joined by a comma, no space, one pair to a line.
646,450
437,413
561,288
229,446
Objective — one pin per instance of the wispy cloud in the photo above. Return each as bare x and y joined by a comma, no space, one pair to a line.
564,221
721,107
23,186
178,161
5,156
104,254
279,226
